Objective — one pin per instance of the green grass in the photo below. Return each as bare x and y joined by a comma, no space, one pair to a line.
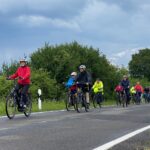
49,105
2,108
46,106
109,102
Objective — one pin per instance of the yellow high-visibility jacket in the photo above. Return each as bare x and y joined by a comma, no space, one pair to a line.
132,90
98,87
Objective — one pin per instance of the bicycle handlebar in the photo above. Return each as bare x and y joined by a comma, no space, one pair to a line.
84,83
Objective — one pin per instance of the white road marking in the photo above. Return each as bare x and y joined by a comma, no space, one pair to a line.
35,113
121,139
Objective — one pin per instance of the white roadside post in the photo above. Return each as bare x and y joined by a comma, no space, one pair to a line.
39,99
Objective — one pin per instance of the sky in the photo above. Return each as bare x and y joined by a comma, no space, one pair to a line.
119,28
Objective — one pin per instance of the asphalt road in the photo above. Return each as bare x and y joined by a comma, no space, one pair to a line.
70,130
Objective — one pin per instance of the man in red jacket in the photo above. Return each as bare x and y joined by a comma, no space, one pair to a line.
23,74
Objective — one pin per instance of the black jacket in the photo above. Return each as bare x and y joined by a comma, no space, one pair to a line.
84,77
125,84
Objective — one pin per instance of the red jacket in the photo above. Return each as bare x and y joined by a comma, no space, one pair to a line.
139,88
119,88
24,73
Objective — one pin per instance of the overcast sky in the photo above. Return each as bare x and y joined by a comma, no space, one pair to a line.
118,28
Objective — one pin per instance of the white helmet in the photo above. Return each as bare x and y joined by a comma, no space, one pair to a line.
82,67
73,74
23,60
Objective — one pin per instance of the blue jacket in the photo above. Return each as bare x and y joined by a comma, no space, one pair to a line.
70,82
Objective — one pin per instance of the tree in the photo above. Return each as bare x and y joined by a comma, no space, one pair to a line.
140,64
60,60
40,79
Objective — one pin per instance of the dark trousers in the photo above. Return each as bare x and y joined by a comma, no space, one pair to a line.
24,90
127,94
99,97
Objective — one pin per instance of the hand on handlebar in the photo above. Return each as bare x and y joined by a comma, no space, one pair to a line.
21,78
8,78
86,83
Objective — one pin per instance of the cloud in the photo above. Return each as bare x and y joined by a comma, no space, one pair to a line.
50,8
110,25
121,56
40,21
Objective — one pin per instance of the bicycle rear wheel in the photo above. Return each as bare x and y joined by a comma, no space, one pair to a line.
10,106
67,102
96,104
28,108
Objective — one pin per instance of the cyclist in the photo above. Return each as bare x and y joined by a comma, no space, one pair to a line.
98,90
85,81
23,74
133,94
71,84
146,94
126,85
118,88
139,91
119,91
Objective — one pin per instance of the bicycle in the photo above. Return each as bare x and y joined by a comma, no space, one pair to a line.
71,100
118,98
138,98
81,98
133,98
13,103
123,99
146,97
97,100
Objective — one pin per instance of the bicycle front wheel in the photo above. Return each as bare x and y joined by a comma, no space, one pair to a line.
28,108
81,103
67,102
97,101
10,106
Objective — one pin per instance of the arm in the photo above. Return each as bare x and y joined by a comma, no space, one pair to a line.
89,77
94,86
102,84
15,75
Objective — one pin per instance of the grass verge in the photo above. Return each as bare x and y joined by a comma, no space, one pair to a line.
49,105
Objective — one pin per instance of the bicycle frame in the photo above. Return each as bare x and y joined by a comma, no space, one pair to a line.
13,102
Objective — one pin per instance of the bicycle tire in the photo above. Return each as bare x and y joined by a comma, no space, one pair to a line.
28,108
67,103
10,104
81,102
126,101
70,102
118,99
95,103
74,102
85,104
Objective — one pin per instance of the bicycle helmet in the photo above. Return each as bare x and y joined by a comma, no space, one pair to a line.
73,74
82,67
22,60
125,76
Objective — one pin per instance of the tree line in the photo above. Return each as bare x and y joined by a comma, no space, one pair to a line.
51,65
